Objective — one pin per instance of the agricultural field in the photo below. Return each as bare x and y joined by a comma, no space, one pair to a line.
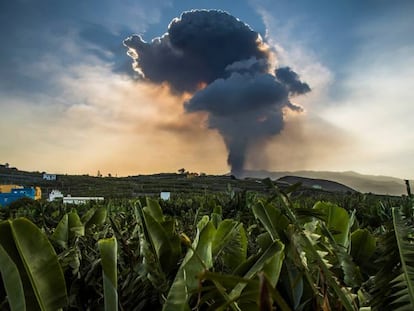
234,250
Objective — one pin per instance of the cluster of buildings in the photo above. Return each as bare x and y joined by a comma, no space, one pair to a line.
12,193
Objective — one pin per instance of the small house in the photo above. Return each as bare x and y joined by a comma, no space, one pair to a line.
54,195
49,176
165,195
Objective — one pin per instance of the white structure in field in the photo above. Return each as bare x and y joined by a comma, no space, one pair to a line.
49,176
317,187
165,195
80,200
55,194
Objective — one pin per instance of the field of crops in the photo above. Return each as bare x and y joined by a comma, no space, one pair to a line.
274,250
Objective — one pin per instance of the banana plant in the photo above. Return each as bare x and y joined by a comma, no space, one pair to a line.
69,227
160,241
229,245
394,283
363,247
108,250
250,284
197,259
94,217
404,235
241,287
30,268
305,249
12,283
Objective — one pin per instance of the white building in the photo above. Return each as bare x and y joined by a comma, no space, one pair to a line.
55,194
49,176
80,200
165,196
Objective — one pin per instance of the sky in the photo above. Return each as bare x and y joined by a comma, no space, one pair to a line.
275,85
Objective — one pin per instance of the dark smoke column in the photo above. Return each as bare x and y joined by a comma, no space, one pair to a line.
243,99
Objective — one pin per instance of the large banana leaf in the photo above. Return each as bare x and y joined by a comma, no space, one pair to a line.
337,220
230,243
108,250
68,228
339,255
94,217
154,209
162,236
76,228
8,244
363,245
61,233
292,282
271,218
37,262
197,260
343,294
269,260
12,282
403,284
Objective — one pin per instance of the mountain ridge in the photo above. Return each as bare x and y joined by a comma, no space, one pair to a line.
378,184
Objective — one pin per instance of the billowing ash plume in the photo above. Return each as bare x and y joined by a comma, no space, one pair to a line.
215,50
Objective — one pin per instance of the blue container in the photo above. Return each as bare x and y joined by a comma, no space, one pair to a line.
7,198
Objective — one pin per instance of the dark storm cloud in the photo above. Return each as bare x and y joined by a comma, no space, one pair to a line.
197,48
243,100
292,81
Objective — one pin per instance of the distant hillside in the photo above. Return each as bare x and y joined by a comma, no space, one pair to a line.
359,182
128,187
314,183
132,186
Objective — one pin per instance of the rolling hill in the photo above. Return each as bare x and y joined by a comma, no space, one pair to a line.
151,184
359,182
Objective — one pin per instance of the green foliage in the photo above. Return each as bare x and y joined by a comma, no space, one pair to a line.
337,221
404,233
69,227
236,250
108,250
12,282
197,259
35,259
363,246
94,217
162,236
230,244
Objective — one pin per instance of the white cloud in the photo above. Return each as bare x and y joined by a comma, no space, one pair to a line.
376,106
106,122
367,125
